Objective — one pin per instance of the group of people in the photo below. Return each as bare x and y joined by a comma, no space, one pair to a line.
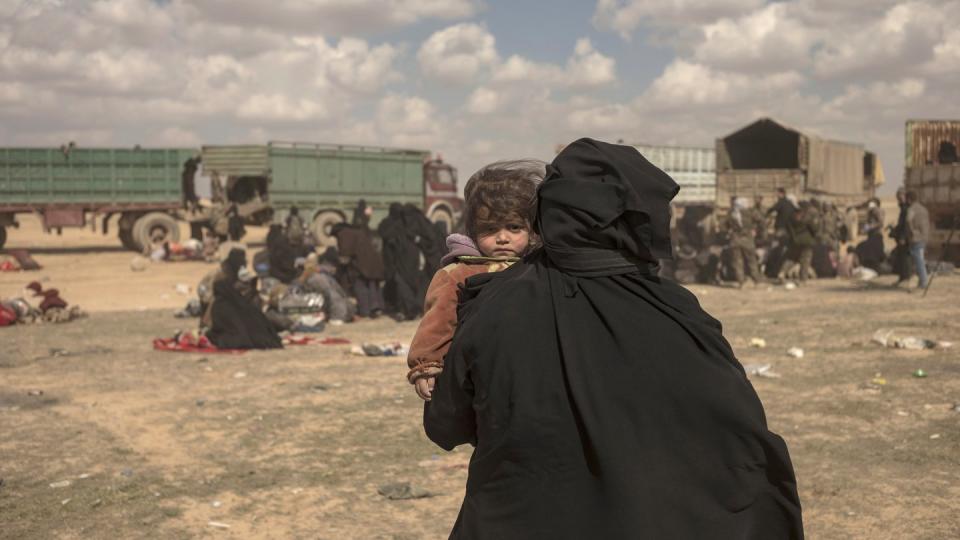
813,238
296,287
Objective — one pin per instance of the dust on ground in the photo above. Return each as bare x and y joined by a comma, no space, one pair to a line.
295,443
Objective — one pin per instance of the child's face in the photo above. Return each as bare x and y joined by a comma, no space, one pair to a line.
509,239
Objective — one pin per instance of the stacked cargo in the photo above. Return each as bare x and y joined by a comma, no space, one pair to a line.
932,170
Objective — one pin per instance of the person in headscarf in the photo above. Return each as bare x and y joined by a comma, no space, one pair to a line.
401,262
319,276
603,401
430,244
363,264
236,321
282,255
870,252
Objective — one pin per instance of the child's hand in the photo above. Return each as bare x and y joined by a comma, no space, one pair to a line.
424,387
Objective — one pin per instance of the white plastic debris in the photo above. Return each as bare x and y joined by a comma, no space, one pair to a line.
795,352
758,343
790,286
60,484
760,370
218,525
182,288
239,374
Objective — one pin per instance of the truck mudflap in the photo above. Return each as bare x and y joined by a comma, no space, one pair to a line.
63,217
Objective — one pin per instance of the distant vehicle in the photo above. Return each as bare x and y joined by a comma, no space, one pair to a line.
151,189
693,168
73,187
767,155
932,170
325,181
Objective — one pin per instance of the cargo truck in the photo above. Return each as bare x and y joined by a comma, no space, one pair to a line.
151,189
325,181
74,187
932,170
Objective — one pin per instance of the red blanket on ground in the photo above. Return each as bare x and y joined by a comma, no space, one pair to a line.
189,343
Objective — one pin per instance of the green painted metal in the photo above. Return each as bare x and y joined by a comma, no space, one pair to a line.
91,175
317,177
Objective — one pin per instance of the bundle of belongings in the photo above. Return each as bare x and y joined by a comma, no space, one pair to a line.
190,250
38,306
16,260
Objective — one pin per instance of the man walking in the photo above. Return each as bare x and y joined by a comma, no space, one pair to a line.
918,232
741,229
900,255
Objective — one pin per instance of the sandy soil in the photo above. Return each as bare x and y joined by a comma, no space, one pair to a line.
295,443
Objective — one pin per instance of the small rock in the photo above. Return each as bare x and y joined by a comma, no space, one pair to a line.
60,484
903,413
127,472
318,388
201,402
790,286
84,476
65,501
96,503
402,491
216,504
239,374
795,352
758,343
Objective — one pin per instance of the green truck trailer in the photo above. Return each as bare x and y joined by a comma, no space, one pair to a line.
73,187
325,182
151,189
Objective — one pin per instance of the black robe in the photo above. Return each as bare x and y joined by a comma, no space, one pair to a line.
236,321
283,256
401,263
602,400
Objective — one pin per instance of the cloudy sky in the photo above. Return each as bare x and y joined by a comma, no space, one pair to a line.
476,80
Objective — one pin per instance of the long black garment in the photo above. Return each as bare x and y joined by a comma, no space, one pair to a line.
401,262
602,400
282,255
236,322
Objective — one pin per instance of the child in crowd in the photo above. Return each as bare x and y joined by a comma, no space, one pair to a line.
500,205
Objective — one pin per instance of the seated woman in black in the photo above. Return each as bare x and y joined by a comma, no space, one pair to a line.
237,322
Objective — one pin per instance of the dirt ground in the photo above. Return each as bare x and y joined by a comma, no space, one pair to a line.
105,438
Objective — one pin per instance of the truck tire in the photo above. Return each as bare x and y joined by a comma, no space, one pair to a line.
3,236
125,227
442,215
154,229
321,226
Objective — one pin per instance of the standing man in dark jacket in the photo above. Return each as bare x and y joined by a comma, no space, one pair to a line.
803,229
901,254
918,232
784,210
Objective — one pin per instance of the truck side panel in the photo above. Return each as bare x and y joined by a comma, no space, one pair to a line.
694,169
752,182
94,176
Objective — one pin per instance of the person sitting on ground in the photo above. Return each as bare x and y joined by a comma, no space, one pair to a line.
236,321
499,216
319,276
848,263
602,400
282,255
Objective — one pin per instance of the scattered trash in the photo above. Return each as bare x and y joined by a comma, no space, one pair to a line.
863,273
795,352
334,341
888,338
201,402
879,381
218,525
96,503
65,501
318,388
920,374
182,288
34,392
60,484
935,436
370,349
296,491
760,370
402,491
758,343
790,286
57,353
216,504
127,472
139,263
239,374
903,413
84,476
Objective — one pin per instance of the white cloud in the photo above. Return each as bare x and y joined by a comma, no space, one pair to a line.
684,84
355,66
408,121
625,16
177,137
483,101
280,108
588,67
458,54
767,39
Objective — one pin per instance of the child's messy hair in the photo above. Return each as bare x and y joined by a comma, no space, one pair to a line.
500,192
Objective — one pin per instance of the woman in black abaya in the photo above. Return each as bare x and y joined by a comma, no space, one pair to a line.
282,255
401,263
602,400
236,321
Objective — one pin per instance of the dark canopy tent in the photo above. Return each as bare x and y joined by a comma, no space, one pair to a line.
764,144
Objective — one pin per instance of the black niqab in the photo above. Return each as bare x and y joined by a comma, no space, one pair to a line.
236,321
282,255
401,263
605,403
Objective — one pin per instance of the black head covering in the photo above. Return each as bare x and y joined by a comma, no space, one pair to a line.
602,400
235,260
604,209
360,217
